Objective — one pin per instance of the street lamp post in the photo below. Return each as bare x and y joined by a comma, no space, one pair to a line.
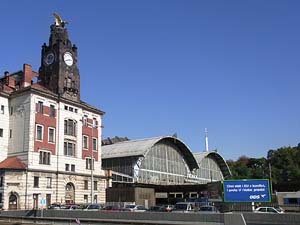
93,125
92,168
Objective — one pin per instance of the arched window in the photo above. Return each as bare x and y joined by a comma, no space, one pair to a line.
70,193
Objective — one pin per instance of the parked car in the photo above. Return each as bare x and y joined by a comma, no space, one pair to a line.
134,208
168,208
267,210
279,209
71,207
184,207
208,209
54,206
111,208
94,207
156,208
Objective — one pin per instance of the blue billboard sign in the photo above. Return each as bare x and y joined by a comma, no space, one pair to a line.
246,191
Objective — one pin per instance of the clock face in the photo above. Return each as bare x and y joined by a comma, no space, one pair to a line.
49,59
68,59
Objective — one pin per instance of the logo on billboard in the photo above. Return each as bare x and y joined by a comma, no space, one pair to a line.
246,191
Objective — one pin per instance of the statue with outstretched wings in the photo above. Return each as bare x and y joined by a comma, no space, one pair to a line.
59,21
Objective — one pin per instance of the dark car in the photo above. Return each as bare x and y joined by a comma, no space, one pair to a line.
112,208
208,209
54,206
157,208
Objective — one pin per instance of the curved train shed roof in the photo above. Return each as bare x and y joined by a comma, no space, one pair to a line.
216,156
142,146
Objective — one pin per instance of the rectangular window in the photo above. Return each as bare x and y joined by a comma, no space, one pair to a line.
95,199
67,167
71,109
86,185
95,144
36,182
76,110
85,142
1,132
10,133
73,168
2,109
84,120
39,132
88,162
1,201
69,148
1,181
40,107
94,122
66,107
95,185
70,127
45,158
11,110
85,198
49,182
52,111
51,135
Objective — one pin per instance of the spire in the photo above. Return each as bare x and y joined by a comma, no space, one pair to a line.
206,140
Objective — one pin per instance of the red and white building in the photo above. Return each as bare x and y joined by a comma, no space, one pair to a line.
48,136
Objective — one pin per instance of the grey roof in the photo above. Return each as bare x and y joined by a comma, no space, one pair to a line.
216,156
142,146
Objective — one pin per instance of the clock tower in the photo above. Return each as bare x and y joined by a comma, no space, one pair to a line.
59,72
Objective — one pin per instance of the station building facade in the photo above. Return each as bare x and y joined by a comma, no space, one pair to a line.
160,170
50,140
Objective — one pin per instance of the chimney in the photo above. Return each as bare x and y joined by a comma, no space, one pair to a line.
11,82
28,74
6,74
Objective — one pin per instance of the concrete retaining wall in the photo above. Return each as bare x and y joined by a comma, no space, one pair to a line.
213,219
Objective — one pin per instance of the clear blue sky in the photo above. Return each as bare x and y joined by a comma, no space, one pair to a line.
164,67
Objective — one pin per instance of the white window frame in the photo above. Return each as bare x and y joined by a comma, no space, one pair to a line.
96,139
49,182
51,128
70,127
53,113
67,145
40,107
87,142
36,131
41,162
88,163
85,120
